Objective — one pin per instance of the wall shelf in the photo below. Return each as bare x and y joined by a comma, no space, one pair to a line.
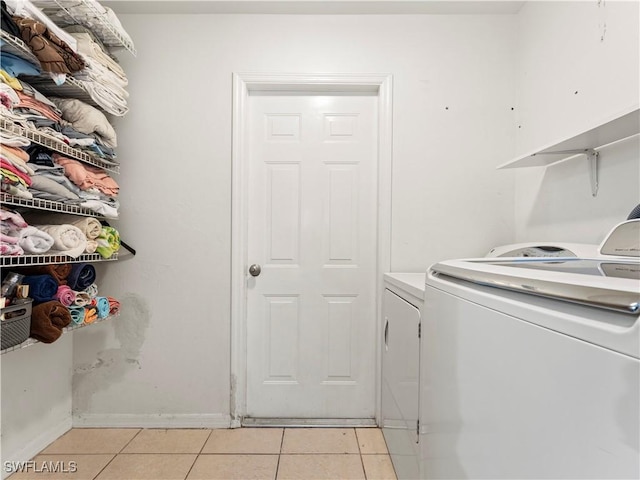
71,88
90,14
588,143
48,205
57,145
18,48
70,328
28,260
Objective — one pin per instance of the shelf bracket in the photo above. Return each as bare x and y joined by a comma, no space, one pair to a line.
592,157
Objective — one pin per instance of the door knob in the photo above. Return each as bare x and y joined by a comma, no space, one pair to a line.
255,270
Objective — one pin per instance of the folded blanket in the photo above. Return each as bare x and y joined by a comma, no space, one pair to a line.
12,219
102,306
81,276
82,299
67,239
42,288
65,295
59,272
77,314
86,119
90,315
114,306
47,321
35,241
108,242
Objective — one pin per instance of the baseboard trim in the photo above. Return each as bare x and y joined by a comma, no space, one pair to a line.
37,444
308,422
160,420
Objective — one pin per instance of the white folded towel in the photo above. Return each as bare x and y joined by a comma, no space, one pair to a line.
35,241
67,239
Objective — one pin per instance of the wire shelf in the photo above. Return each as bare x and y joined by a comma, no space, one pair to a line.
28,260
48,205
17,47
57,145
103,28
71,88
70,328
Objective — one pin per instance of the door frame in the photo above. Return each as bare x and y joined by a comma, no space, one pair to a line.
243,84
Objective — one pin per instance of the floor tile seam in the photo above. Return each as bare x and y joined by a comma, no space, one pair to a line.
105,466
130,440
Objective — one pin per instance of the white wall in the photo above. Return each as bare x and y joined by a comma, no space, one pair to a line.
578,64
36,398
166,360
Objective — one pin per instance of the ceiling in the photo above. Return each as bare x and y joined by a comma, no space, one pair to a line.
317,7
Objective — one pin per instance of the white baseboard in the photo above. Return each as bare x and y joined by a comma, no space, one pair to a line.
38,444
160,420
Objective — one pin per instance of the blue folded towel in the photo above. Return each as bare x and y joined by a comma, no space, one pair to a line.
42,288
81,276
77,314
102,306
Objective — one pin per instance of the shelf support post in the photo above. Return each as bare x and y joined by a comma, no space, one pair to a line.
592,157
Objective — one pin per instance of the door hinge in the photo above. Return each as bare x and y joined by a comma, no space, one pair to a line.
418,428
420,330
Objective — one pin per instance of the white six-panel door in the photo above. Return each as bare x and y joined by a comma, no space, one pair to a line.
311,313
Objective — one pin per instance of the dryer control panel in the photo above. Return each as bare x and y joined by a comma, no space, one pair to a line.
545,250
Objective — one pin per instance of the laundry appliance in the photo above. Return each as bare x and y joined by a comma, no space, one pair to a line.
530,366
401,305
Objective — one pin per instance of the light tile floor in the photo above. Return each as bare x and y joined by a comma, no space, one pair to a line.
193,454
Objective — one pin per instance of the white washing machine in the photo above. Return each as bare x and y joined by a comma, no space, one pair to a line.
402,302
530,368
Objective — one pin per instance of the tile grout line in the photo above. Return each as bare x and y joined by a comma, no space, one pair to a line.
364,472
199,453
117,453
280,453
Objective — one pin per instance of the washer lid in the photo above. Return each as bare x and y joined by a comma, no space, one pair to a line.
613,285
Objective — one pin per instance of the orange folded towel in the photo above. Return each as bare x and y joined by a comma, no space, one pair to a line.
90,315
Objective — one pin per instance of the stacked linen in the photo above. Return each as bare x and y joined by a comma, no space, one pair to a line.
90,121
103,77
11,222
15,172
18,238
67,239
87,177
89,226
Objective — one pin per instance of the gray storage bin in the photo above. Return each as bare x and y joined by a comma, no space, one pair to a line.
15,330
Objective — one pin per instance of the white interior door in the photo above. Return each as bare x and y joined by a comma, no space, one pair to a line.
311,312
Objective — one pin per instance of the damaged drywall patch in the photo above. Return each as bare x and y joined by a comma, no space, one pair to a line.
111,365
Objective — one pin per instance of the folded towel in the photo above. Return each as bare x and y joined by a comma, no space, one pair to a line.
90,226
90,315
114,306
35,241
92,245
59,272
77,314
102,306
92,290
108,242
42,288
65,295
81,276
67,239
82,299
47,321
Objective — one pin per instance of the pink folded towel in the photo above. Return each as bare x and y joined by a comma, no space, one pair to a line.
65,295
